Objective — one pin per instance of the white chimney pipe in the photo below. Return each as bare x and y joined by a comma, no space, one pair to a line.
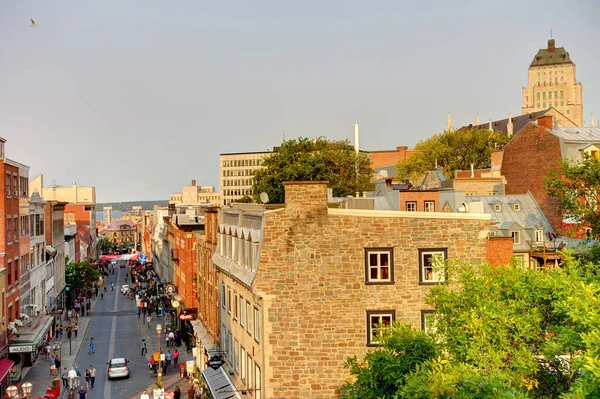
356,142
472,170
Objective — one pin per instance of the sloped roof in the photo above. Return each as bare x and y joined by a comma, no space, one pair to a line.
573,140
551,55
501,125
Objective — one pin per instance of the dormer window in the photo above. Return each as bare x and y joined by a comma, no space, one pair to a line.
498,208
517,207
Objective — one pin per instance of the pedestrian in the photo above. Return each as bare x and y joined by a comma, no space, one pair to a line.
87,378
145,395
47,351
57,364
168,358
144,347
176,357
102,294
167,339
82,393
60,330
112,286
104,289
78,376
177,392
190,392
72,393
148,320
52,365
72,378
65,378
92,348
75,329
172,338
92,376
198,390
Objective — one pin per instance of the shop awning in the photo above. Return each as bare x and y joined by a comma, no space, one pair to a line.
30,335
203,335
5,366
219,384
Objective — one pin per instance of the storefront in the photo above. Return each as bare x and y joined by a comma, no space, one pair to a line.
24,347
6,365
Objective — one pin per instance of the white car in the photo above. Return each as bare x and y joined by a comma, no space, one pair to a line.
125,289
118,368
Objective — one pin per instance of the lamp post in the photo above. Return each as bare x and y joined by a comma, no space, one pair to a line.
158,331
13,391
175,304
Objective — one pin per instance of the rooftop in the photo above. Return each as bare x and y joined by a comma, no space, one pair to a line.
551,55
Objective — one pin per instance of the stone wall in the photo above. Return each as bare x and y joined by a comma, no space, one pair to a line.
311,279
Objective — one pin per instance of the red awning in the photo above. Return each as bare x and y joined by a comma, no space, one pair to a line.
5,367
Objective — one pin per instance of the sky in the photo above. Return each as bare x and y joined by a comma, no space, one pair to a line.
137,98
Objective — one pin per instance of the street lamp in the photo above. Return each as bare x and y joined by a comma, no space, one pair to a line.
158,331
13,391
176,304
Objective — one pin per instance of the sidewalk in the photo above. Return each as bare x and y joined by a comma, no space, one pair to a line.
39,373
171,378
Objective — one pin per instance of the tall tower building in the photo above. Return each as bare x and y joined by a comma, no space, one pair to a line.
107,215
552,83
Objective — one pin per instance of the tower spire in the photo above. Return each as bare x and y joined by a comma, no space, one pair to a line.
490,126
509,125
477,120
449,122
592,120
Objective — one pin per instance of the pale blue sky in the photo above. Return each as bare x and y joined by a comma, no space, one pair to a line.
139,97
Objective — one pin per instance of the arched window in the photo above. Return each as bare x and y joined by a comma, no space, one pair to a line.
538,96
562,94
555,95
544,95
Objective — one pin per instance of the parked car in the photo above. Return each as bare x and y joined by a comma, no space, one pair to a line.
125,289
118,368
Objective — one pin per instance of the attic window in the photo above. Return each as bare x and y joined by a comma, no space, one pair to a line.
497,207
517,207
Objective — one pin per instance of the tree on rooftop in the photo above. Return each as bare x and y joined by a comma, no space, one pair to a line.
452,150
303,159
576,186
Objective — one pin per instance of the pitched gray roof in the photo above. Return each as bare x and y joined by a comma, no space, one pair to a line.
575,139
551,55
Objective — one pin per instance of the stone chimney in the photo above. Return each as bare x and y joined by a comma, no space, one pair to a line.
193,182
551,45
496,159
306,197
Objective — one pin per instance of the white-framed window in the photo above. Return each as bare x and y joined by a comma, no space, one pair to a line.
234,251
256,325
221,244
243,366
247,254
411,206
257,382
7,184
228,300
429,206
497,207
223,297
539,235
491,234
516,236
242,313
235,306
517,207
428,321
431,268
379,265
236,355
229,348
377,320
224,337
518,260
254,259
248,318
249,370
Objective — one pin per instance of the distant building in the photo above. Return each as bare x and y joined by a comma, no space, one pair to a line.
122,233
107,215
194,195
236,174
551,82
513,124
383,158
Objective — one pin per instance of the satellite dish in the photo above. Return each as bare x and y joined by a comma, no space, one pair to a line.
264,197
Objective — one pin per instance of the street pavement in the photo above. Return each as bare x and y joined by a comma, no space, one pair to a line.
117,332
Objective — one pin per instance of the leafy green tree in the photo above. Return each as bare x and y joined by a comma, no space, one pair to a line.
452,150
105,246
246,199
576,186
303,159
382,371
81,274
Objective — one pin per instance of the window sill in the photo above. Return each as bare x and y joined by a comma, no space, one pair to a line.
379,282
431,282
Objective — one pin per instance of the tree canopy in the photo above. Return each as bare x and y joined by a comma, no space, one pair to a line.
452,150
81,274
576,186
304,159
506,332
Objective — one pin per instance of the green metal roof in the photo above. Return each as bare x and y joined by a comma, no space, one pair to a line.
551,56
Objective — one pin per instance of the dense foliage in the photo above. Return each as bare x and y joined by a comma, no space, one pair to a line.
105,246
576,186
506,332
81,275
303,159
452,150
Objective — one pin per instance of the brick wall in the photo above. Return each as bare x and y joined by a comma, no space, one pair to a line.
420,197
388,158
528,158
311,281
499,251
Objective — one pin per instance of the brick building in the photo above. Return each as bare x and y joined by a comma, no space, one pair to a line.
185,228
536,150
383,158
54,229
288,275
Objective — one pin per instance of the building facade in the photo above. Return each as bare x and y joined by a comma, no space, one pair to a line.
41,279
194,194
122,232
55,251
185,229
107,212
236,174
287,275
552,82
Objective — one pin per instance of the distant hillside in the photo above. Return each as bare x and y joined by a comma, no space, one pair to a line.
127,205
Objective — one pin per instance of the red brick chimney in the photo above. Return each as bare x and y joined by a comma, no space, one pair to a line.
544,122
193,182
551,45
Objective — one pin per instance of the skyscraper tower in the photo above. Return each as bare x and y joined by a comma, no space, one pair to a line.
551,82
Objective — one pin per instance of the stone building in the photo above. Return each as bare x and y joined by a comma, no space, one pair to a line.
122,232
288,275
42,268
236,174
194,194
552,82
536,150
55,254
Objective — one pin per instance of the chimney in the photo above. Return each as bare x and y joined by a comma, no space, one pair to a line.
551,45
449,122
545,122
193,182
478,120
308,198
472,170
496,158
509,125
356,138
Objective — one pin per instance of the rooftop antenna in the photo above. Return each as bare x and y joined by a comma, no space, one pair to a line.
550,33
283,134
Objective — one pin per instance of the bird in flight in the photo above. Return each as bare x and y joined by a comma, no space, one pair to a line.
33,23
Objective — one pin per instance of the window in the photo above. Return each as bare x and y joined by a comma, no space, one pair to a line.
256,325
248,318
257,380
249,371
377,321
544,95
538,96
15,187
229,300
9,276
17,270
411,206
230,351
497,207
517,207
427,321
243,366
429,206
430,270
8,184
8,230
539,235
588,233
555,94
518,260
16,228
242,315
562,94
235,306
379,265
223,301
236,355
516,236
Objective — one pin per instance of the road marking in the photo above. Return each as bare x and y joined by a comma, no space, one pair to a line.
113,335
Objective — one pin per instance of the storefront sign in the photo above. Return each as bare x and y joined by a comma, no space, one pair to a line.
186,317
20,349
215,362
189,367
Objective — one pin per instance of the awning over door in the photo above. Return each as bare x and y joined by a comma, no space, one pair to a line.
219,384
5,367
